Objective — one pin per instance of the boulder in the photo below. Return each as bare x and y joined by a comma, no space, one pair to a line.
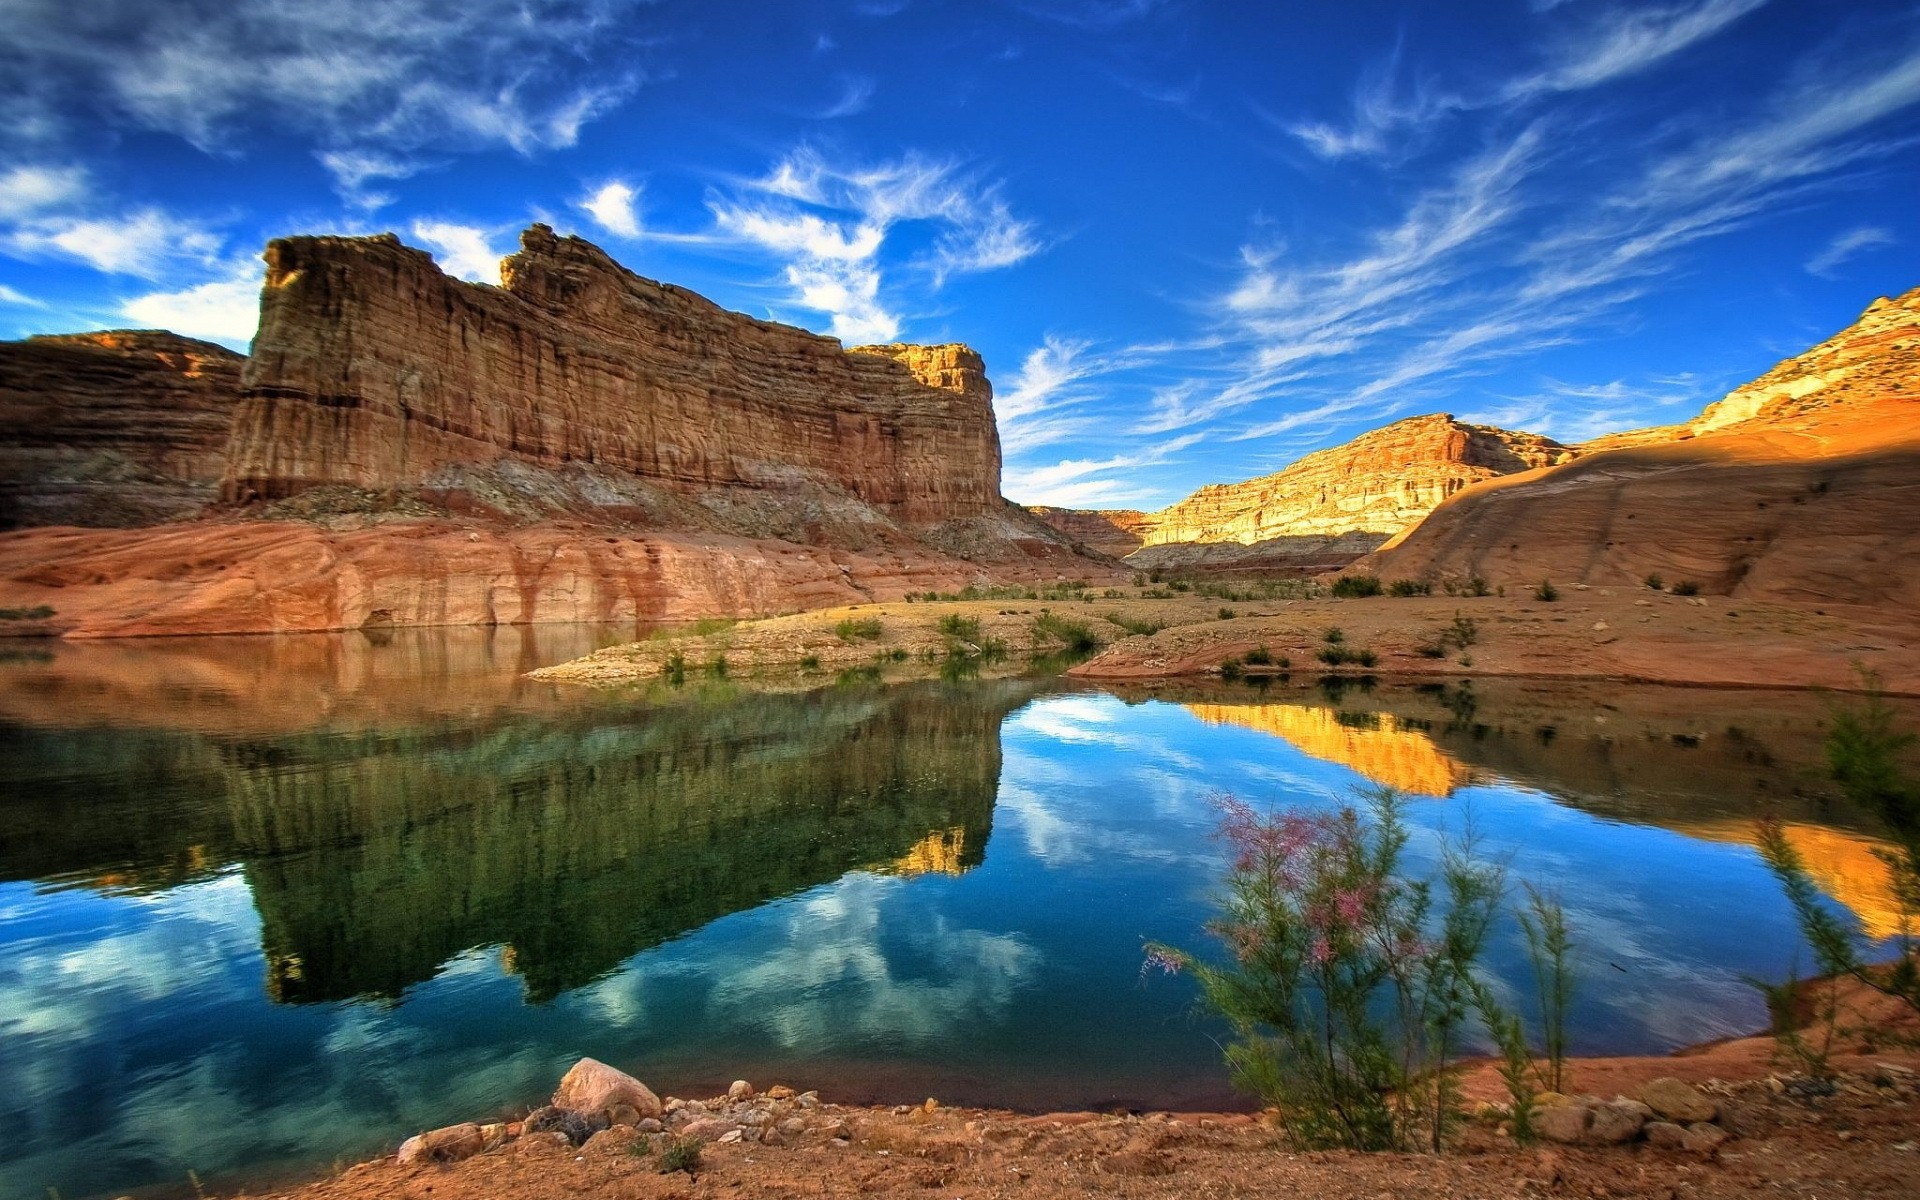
449,1144
739,1090
1613,1124
1703,1138
1665,1135
1678,1101
1565,1123
593,1087
709,1129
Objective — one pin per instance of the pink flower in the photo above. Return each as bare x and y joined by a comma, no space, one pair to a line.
1320,952
1160,960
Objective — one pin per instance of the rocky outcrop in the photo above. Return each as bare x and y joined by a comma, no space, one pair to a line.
1801,487
373,369
1380,482
125,427
1112,531
1324,511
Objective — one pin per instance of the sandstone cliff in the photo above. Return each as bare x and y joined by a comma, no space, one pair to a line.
373,369
116,428
1111,531
1330,507
1801,486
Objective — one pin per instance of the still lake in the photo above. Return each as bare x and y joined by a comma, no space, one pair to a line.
271,903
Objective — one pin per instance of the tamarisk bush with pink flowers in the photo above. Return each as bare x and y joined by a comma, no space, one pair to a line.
1350,986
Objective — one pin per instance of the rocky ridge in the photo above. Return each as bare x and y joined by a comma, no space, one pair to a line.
1800,487
1327,509
578,443
122,428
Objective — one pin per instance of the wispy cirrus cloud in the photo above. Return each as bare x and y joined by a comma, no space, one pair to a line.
1615,43
828,223
1846,245
355,79
1094,482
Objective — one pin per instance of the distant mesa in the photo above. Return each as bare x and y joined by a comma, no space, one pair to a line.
1324,511
579,443
1802,486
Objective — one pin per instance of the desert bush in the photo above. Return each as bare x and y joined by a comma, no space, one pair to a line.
680,1154
717,666
810,662
1546,591
1464,632
1686,587
38,612
1863,752
1354,586
966,629
1135,625
1076,636
1655,582
1334,635
675,668
1477,586
1410,587
1259,656
1227,614
1230,668
1349,984
858,629
1431,650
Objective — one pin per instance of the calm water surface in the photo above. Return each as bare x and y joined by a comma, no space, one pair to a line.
269,903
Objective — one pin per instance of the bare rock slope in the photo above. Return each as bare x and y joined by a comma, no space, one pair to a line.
1802,486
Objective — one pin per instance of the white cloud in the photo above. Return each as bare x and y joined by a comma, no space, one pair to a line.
856,93
223,310
1087,482
1845,245
147,242
26,191
462,250
613,207
18,298
400,76
352,170
829,224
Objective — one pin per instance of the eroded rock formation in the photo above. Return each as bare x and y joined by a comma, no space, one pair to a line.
1803,486
1111,531
576,444
126,427
373,369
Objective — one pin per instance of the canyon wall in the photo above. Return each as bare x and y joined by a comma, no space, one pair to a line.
1112,531
373,369
112,429
1803,486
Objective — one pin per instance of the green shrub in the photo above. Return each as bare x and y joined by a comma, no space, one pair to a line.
1259,656
1477,586
965,629
1464,632
1227,614
38,612
1135,625
1076,636
717,666
680,1154
1355,586
1349,985
1181,585
1431,650
1334,635
810,663
1546,591
675,668
1410,587
1365,657
1230,668
858,629
1655,582
1686,587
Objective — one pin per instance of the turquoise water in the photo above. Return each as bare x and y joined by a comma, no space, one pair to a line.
270,903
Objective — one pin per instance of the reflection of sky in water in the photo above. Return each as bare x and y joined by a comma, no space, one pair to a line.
141,1044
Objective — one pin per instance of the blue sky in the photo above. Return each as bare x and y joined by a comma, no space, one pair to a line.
1194,240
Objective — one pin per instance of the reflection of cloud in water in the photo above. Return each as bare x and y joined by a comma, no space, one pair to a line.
844,966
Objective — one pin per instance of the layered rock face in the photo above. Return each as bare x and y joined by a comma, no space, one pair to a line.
112,429
1112,531
372,369
1801,486
1327,509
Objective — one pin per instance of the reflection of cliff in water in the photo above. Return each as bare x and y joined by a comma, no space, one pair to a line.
1704,762
373,864
574,835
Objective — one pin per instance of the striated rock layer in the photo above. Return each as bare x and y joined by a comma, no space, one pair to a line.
374,369
127,427
1801,486
1322,512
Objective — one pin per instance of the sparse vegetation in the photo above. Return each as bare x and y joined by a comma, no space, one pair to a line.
1076,636
717,667
1349,587
1686,587
675,668
1546,592
1135,625
1230,669
1259,656
38,612
1349,985
680,1154
960,628
1655,582
1410,587
810,662
858,629
1227,614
